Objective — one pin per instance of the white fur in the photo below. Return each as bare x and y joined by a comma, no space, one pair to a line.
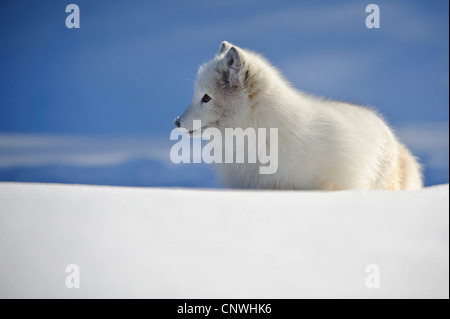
323,144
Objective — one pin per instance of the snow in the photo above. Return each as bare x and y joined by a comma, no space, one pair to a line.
193,243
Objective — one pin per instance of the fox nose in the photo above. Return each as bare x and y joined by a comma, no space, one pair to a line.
176,121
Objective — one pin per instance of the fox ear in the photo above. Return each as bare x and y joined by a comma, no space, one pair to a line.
232,69
224,47
234,59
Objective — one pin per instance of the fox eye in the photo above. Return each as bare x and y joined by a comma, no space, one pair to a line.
206,98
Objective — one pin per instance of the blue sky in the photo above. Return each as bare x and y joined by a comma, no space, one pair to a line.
127,69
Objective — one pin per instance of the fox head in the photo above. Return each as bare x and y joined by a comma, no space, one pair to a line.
221,91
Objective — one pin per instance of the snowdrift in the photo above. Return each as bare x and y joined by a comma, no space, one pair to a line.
184,243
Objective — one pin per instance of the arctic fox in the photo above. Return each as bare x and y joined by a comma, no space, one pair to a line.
322,144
